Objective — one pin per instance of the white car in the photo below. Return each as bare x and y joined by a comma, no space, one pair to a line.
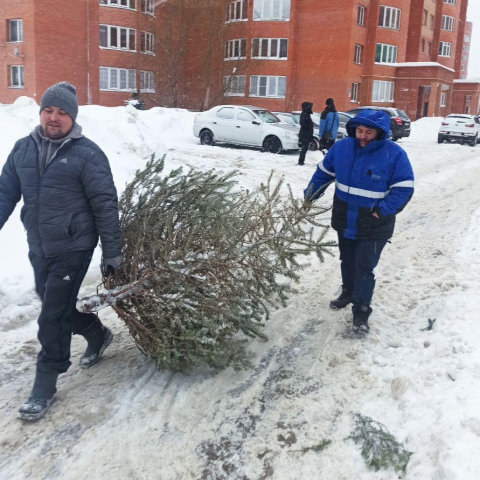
460,127
245,125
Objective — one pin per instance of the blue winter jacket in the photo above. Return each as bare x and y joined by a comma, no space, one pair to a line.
331,122
377,179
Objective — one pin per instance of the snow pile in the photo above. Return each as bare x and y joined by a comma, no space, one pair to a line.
291,416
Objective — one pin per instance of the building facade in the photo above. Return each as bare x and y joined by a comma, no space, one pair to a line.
271,53
466,50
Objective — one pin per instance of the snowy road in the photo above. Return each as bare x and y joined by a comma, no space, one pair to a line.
125,420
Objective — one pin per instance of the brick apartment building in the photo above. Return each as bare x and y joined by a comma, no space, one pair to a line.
466,50
272,53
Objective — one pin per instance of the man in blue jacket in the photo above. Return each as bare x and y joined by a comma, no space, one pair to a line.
373,183
69,201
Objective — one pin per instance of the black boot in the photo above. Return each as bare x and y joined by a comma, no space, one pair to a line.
99,338
42,396
342,301
360,318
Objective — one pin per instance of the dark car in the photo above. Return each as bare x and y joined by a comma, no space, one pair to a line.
399,121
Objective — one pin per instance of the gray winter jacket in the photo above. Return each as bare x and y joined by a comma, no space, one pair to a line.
69,203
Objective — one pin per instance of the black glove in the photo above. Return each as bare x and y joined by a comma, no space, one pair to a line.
111,265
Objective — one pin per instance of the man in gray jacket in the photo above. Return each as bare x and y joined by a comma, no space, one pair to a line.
70,201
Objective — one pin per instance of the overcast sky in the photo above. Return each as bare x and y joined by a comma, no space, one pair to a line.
473,15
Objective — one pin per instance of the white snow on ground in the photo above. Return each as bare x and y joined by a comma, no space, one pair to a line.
123,419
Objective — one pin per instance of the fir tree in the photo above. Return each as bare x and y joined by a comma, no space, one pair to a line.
205,261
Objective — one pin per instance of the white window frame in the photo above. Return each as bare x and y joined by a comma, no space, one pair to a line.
147,82
235,48
237,11
19,23
147,43
450,2
361,15
389,51
389,17
268,42
234,86
268,83
444,49
466,39
148,7
382,92
357,54
130,76
271,10
448,23
19,74
443,99
354,96
118,4
118,33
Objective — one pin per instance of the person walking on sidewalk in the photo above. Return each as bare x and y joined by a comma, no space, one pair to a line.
328,128
373,183
69,201
306,130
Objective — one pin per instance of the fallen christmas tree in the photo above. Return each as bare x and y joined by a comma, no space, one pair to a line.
204,263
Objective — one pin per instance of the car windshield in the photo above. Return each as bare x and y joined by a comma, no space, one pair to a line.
286,118
402,114
460,116
267,116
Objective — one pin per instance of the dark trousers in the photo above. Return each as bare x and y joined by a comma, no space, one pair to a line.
358,260
57,282
303,152
326,144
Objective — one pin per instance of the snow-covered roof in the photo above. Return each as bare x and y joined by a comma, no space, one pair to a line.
467,80
419,64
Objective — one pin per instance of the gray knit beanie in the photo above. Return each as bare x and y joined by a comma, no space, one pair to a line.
61,95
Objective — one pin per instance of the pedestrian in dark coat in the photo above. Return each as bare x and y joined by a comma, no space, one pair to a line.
329,122
306,130
373,183
70,201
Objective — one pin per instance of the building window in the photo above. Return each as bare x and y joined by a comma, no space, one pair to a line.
425,16
117,79
237,11
234,86
389,17
275,48
266,86
382,91
468,98
361,15
148,7
429,48
462,68
354,97
386,53
130,4
15,31
443,100
465,48
450,2
445,49
236,49
147,82
16,76
464,58
357,55
147,43
271,9
466,39
422,45
432,21
117,38
448,23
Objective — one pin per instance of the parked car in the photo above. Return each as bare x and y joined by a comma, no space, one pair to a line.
290,119
400,124
245,125
342,132
460,127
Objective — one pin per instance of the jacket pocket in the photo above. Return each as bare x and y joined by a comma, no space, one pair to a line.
72,225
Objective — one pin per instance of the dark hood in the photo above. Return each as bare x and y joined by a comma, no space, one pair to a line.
307,107
370,118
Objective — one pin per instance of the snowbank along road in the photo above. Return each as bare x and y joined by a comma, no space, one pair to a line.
289,418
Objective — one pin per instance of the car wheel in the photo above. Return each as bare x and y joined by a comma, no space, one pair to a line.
313,146
207,138
473,141
440,138
272,145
